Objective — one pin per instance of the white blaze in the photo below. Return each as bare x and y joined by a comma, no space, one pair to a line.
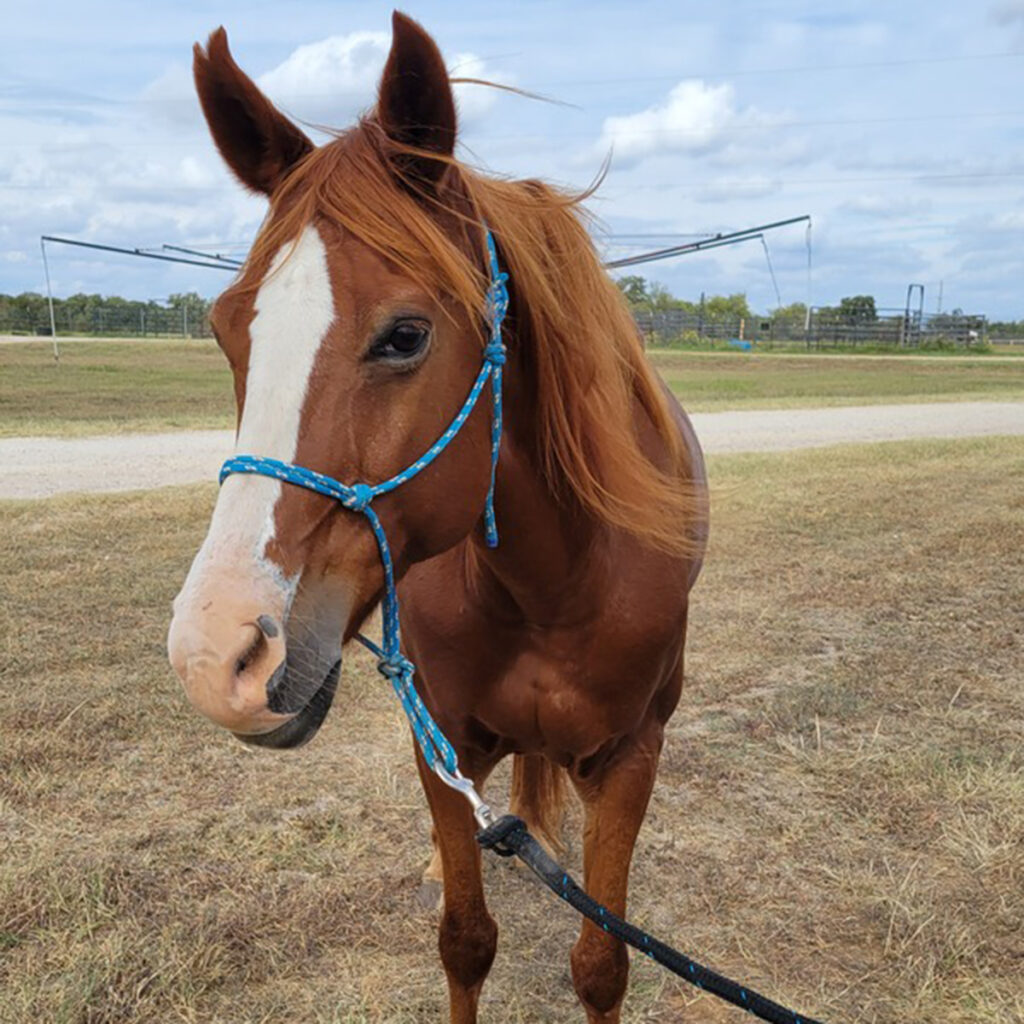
294,310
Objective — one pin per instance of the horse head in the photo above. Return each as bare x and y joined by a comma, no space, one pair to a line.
353,332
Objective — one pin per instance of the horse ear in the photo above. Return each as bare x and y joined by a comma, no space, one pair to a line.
415,106
256,140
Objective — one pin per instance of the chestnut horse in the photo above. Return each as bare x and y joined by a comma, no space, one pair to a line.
354,332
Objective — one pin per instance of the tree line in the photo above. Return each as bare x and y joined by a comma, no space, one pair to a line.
649,297
182,313
646,296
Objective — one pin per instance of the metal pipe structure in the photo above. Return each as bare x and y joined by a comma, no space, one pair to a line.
208,256
711,243
49,298
43,239
135,252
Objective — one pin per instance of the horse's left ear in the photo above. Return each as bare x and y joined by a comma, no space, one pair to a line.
415,106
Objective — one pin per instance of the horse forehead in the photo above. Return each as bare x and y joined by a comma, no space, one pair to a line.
293,310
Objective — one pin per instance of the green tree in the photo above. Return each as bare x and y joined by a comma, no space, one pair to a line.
791,318
660,298
193,310
634,288
858,309
727,307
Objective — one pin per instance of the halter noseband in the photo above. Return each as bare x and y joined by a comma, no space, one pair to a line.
358,497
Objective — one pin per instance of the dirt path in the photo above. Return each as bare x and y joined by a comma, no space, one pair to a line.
776,430
38,467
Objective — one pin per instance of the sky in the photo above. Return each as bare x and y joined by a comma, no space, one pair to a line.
899,128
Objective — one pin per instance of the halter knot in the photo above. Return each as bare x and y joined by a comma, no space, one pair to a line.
494,353
362,495
395,666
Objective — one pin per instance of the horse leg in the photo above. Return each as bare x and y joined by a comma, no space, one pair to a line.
468,936
615,800
538,797
433,872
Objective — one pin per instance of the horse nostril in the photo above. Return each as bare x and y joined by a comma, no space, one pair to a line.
268,625
251,653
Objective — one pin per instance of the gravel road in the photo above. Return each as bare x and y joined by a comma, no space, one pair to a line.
39,467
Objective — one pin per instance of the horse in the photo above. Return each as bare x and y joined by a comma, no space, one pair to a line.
353,332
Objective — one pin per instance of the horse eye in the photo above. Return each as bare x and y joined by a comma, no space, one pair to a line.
403,340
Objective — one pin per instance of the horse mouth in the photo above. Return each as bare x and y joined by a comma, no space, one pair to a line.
305,724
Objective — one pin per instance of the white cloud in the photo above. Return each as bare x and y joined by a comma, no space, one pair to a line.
331,81
1008,12
695,119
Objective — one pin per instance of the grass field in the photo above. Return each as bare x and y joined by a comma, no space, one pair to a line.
839,819
711,382
112,387
108,387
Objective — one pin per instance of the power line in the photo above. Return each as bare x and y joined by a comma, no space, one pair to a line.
650,186
767,124
78,98
721,183
795,69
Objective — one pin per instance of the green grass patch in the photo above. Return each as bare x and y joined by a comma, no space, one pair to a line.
706,382
108,387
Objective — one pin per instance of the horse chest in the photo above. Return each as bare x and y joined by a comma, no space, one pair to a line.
565,691
565,703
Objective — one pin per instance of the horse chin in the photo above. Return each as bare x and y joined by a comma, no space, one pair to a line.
300,729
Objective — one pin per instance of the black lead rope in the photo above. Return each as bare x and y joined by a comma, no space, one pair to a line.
509,835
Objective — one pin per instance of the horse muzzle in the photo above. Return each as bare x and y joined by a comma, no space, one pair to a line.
239,670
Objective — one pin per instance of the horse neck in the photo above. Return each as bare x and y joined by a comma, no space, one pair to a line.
544,568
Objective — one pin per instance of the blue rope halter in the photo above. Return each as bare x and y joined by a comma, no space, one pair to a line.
438,752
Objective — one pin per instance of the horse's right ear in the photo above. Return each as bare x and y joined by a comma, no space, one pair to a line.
256,140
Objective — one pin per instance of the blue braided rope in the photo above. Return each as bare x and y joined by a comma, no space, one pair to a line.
494,354
358,497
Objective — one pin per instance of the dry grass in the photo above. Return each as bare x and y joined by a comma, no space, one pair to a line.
839,819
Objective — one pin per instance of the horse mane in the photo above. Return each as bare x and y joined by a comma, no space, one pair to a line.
579,344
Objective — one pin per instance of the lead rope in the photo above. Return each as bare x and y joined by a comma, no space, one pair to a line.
507,835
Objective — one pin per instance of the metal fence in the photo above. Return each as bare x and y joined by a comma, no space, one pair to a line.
896,328
825,328
128,321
